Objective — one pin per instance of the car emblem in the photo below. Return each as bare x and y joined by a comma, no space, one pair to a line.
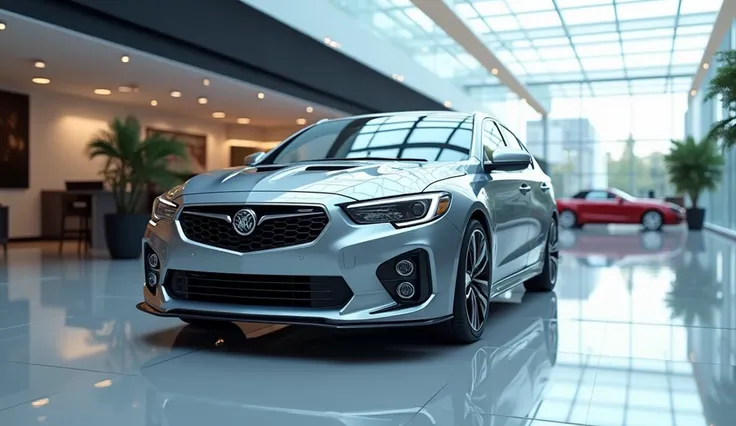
244,222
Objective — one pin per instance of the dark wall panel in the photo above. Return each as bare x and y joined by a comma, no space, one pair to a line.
231,38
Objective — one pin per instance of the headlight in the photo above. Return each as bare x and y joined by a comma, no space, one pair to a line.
163,209
400,211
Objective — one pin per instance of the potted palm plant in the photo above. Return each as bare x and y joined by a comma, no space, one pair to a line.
694,167
723,86
132,163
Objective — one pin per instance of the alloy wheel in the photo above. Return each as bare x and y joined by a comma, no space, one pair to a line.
553,252
477,277
652,221
567,219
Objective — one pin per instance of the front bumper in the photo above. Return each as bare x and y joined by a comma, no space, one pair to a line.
352,252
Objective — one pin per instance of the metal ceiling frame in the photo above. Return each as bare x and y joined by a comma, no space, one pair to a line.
723,23
455,27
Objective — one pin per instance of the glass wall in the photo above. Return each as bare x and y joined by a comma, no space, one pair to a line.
608,138
721,204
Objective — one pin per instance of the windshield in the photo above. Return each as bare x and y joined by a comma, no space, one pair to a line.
621,194
430,137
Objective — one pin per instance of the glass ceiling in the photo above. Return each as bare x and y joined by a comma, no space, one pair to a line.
407,27
599,42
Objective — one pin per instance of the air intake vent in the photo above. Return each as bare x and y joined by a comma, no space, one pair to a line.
270,168
326,168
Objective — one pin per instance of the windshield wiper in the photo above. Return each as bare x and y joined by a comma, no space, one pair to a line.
421,160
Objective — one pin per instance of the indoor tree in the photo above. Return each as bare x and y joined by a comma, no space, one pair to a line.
132,163
694,167
723,86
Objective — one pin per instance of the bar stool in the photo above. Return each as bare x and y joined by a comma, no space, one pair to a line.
4,228
77,206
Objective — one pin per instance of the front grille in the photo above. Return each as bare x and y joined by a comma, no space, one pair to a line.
259,290
280,226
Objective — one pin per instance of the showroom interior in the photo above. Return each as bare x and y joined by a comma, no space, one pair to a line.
639,330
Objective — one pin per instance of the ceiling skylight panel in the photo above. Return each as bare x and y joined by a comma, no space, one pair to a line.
691,42
566,4
646,9
551,53
491,7
642,46
588,15
681,57
700,6
606,49
502,23
647,60
602,63
648,34
539,20
595,38
523,6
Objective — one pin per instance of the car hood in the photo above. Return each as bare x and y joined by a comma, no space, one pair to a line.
358,180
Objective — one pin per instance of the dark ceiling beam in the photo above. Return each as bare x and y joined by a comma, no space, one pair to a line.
230,38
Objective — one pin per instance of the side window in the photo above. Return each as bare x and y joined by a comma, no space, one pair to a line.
513,141
491,139
597,196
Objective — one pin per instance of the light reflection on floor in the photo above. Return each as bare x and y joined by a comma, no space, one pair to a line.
641,330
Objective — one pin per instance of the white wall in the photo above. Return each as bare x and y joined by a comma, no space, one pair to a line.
60,127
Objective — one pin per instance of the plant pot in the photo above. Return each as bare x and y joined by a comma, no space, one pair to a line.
124,233
695,218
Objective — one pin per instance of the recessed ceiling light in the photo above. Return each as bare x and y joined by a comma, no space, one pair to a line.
243,120
125,89
523,100
154,102
310,110
176,94
693,92
301,121
218,114
125,59
494,71
448,104
103,92
706,66
2,26
261,95
39,64
398,77
41,80
201,100
206,82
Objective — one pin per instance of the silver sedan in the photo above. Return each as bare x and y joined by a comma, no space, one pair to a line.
412,218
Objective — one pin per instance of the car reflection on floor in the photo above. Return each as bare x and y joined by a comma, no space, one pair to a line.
318,376
603,247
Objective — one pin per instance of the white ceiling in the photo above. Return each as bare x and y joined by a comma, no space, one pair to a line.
78,64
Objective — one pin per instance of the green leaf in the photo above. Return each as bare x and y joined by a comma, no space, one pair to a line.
133,163
723,86
694,167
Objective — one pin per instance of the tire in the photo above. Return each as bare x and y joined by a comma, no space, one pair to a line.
652,220
569,220
547,280
472,296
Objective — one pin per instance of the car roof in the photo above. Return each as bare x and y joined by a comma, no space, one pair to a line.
453,114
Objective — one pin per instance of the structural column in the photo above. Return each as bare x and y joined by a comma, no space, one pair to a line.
545,141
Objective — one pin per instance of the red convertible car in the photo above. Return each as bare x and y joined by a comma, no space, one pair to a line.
615,206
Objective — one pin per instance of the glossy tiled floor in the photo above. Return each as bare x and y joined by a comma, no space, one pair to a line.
641,331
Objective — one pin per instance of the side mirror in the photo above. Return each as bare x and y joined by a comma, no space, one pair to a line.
508,160
620,200
254,158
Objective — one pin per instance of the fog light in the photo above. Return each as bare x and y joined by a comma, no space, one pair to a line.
153,260
405,290
152,279
404,268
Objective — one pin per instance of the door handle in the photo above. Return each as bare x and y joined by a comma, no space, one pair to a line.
524,188
544,186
